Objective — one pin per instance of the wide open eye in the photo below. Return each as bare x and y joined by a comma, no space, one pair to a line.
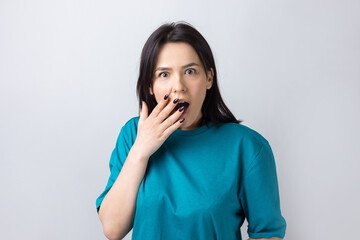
162,74
192,71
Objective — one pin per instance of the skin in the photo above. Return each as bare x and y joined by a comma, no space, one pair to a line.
189,83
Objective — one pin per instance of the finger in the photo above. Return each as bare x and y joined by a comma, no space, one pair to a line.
144,111
167,111
161,105
173,123
172,119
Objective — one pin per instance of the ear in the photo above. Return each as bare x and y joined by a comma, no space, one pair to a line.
151,92
209,80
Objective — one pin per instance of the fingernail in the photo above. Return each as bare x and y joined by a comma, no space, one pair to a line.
182,120
182,108
166,96
175,100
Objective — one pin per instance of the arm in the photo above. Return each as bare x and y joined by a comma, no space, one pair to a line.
259,197
118,207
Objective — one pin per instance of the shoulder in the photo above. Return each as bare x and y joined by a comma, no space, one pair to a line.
248,141
131,123
129,130
242,133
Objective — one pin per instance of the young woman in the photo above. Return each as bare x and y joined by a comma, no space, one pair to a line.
185,168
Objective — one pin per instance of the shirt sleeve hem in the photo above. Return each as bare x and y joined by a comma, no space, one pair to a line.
266,235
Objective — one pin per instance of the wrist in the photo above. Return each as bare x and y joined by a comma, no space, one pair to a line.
138,153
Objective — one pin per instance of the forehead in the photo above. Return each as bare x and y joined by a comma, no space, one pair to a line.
176,54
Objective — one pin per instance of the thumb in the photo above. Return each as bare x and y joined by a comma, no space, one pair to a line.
144,110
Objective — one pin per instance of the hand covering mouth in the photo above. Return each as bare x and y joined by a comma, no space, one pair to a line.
179,105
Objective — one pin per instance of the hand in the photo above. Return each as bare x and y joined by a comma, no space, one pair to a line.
153,130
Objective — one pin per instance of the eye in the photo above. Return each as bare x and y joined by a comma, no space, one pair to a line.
192,70
161,74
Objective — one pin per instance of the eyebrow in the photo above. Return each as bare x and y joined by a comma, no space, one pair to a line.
185,66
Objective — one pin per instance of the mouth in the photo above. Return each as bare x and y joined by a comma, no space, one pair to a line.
179,105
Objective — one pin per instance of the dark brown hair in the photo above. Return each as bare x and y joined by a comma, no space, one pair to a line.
213,108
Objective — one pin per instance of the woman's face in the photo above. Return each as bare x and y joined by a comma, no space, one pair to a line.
180,73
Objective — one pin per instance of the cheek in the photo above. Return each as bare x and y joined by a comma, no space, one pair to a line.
202,91
159,94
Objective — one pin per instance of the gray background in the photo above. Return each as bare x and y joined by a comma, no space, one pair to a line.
68,70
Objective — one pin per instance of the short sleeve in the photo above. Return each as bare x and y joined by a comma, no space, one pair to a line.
259,196
117,160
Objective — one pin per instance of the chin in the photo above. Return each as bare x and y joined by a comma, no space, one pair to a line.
185,124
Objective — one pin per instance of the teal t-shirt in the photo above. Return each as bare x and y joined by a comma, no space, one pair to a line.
201,184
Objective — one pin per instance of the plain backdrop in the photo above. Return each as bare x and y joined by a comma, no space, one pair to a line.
68,71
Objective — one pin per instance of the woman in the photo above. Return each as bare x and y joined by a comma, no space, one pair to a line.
185,168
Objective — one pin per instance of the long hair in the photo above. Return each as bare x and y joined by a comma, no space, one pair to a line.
213,108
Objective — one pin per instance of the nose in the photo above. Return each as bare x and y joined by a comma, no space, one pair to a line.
178,84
